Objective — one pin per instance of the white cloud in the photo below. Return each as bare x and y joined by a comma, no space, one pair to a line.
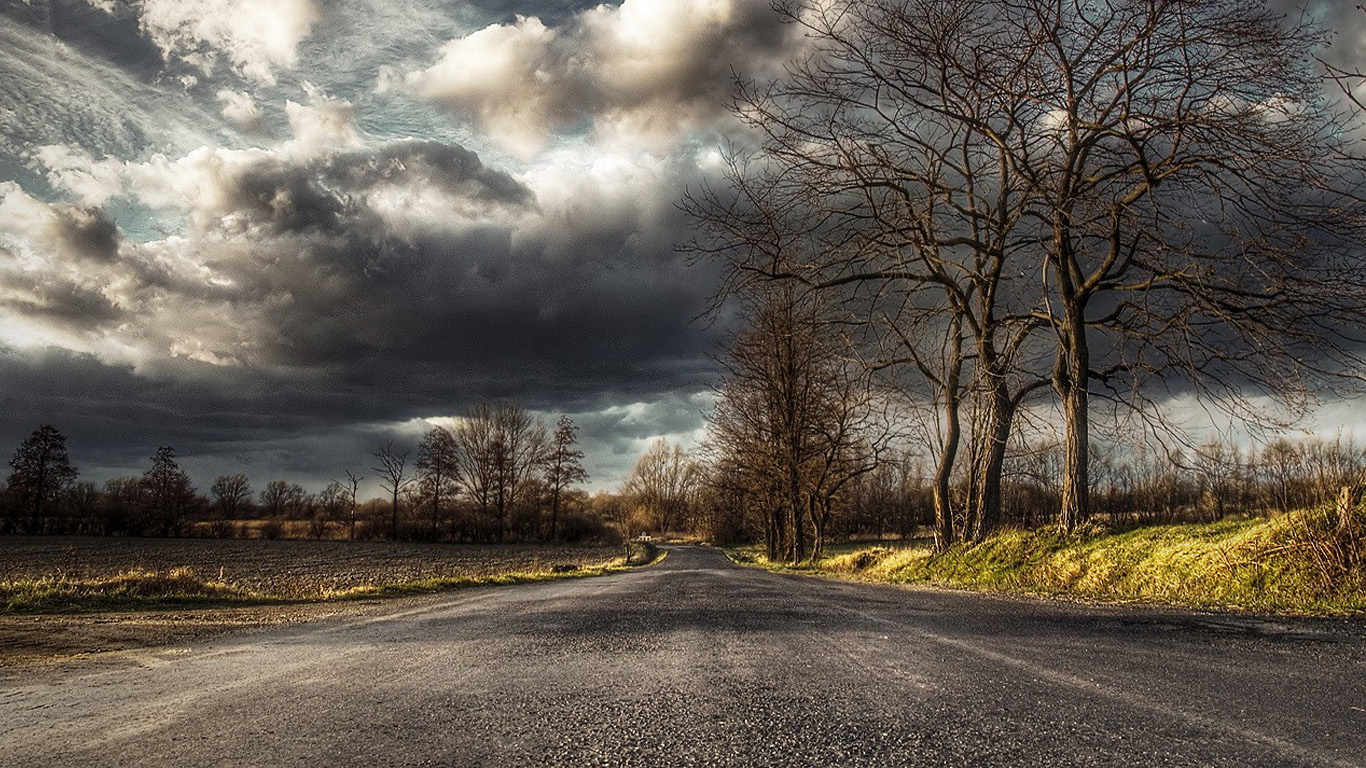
240,108
646,71
255,36
322,125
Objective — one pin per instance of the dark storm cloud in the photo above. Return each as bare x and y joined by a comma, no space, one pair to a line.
285,195
67,304
115,418
336,316
111,35
284,310
86,232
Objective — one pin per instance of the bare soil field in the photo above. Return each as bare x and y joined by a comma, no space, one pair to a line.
303,569
283,567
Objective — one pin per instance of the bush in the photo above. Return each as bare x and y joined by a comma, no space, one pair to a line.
641,553
575,527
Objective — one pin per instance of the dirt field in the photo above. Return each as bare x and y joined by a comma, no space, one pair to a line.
282,567
301,568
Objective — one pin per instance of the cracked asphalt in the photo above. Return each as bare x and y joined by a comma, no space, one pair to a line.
698,662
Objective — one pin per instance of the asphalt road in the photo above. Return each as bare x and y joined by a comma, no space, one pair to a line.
698,662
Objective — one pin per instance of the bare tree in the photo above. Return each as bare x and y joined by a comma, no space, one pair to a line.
229,493
168,493
437,456
661,483
42,473
352,488
281,499
1143,191
563,466
501,446
394,478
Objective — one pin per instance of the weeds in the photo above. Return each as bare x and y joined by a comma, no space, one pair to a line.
1311,561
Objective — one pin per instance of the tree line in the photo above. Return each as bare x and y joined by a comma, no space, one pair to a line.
498,474
973,225
1133,483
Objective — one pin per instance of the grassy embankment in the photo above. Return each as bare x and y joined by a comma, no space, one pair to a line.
141,589
1306,562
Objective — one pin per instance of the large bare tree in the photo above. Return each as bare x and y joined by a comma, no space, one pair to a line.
794,422
1102,196
500,447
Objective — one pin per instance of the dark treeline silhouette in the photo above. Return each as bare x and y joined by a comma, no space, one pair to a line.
498,475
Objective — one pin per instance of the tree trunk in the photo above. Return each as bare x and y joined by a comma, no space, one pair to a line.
943,478
991,461
554,512
1072,385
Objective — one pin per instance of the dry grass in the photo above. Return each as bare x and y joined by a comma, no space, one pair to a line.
1306,562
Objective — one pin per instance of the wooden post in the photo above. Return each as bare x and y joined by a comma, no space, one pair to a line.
1349,498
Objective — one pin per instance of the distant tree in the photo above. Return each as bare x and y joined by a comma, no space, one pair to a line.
394,478
326,507
332,500
352,487
563,466
122,505
168,493
83,503
436,466
229,493
500,448
662,484
42,473
282,499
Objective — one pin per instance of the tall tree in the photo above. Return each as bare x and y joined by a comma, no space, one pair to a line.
229,493
662,483
563,466
168,493
501,446
436,466
1144,190
794,419
281,499
42,472
394,478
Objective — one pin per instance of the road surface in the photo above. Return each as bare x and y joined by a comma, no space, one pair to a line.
698,662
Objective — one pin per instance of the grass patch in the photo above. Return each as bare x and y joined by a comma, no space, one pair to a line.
1306,562
141,589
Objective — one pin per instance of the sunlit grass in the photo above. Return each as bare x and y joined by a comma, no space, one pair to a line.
1303,562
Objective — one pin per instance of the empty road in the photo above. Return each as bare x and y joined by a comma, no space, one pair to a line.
695,661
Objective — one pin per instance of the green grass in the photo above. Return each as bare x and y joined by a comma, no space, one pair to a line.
184,588
1298,563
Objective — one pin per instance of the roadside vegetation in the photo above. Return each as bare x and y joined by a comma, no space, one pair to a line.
1304,562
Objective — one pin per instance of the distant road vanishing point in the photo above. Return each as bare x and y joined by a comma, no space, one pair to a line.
698,662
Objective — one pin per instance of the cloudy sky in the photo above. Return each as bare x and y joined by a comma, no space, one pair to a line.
276,233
